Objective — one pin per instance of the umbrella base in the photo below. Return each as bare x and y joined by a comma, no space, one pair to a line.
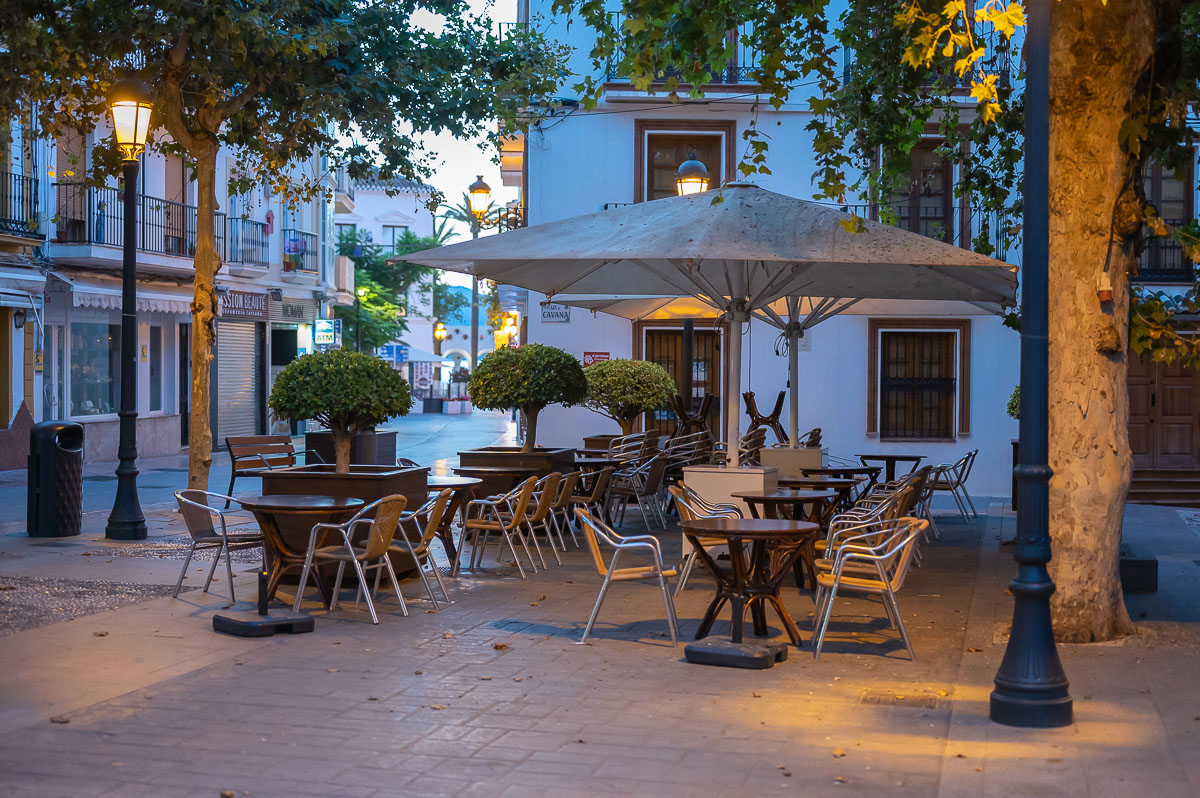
755,654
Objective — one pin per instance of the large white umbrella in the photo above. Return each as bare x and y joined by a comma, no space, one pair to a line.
738,249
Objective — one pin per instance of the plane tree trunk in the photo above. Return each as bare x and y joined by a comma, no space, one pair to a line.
204,312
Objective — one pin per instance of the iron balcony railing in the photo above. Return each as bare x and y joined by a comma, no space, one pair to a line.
249,243
744,61
1163,261
19,206
510,218
91,215
954,224
300,251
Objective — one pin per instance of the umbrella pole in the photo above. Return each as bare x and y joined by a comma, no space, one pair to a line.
793,388
733,405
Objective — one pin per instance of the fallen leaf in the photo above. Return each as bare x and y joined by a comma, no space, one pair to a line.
839,779
516,678
85,554
239,662
541,598
942,692
1053,760
838,753
436,706
485,678
579,740
500,646
974,650
418,673
100,634
331,670
60,719
755,695
960,756
787,773
449,635
372,698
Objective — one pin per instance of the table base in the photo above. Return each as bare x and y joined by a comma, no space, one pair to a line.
754,655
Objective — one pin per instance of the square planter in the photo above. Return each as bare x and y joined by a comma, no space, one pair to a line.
369,447
540,461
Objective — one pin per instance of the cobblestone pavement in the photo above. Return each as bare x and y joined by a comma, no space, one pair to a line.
491,696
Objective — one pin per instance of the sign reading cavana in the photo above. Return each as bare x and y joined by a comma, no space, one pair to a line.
327,332
555,314
243,304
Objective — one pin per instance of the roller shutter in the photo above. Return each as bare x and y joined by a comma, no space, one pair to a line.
238,379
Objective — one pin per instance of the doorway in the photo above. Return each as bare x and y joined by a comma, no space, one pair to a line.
1164,414
665,347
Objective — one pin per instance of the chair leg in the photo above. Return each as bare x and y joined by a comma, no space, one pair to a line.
183,571
362,580
303,581
232,477
537,546
963,485
550,539
213,569
508,539
437,573
685,572
587,630
337,586
424,579
669,605
890,599
396,584
228,569
824,624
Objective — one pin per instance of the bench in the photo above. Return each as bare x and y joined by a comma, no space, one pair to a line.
251,455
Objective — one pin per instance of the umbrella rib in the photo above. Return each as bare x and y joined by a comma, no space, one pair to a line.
698,281
771,288
773,318
576,278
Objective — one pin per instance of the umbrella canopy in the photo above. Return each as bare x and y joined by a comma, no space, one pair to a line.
737,250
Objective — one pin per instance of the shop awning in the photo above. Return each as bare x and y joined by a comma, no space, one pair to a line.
94,291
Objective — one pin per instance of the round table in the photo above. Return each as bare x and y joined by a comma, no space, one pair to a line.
773,503
844,487
775,545
889,462
463,490
286,522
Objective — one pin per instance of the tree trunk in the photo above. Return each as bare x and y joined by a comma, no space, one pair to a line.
1097,57
341,448
531,414
204,311
627,425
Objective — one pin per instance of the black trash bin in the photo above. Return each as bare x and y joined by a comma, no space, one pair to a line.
55,500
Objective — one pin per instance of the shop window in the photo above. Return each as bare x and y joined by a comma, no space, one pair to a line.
156,369
95,368
919,379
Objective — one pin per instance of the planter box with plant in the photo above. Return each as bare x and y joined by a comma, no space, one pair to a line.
625,389
528,378
346,392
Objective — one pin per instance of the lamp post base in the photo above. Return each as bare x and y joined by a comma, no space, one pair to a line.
1031,711
125,530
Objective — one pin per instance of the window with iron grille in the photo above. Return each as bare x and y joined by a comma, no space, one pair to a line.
918,384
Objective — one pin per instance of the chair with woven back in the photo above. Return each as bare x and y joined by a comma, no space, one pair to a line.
424,522
503,515
560,509
642,485
537,514
690,506
380,519
595,501
596,532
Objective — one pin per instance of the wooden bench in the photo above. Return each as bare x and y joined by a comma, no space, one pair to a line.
252,455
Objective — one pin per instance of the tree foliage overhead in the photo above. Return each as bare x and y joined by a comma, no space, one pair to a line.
529,378
624,389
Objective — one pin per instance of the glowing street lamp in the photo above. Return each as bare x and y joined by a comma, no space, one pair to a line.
480,197
691,177
130,104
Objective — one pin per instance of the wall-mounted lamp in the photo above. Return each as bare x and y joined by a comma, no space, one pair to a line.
19,318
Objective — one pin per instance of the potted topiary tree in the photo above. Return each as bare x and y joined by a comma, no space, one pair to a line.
348,392
528,378
624,389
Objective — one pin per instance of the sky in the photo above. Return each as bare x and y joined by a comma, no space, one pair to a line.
461,160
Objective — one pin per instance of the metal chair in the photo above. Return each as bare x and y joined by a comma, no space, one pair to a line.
951,478
560,510
643,485
374,549
503,514
690,506
596,500
432,511
406,462
198,516
890,560
595,531
537,514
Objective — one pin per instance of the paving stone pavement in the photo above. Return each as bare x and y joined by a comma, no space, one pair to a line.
491,695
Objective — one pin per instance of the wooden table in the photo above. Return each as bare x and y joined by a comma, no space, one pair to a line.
889,462
593,462
870,473
774,548
821,503
287,522
463,491
844,487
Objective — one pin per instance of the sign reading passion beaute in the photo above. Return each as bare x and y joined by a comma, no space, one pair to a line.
244,305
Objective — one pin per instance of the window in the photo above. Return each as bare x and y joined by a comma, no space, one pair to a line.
393,235
918,379
1162,257
927,207
347,233
661,145
156,370
95,368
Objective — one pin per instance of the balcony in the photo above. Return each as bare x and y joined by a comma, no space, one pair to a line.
343,193
19,207
301,255
91,222
1163,261
249,251
736,72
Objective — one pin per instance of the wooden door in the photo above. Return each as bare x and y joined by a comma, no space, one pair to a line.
1164,414
665,347
668,151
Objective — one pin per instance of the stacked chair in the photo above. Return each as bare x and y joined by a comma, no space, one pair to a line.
952,478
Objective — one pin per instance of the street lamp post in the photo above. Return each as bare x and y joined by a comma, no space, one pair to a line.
1031,686
130,103
358,297
480,194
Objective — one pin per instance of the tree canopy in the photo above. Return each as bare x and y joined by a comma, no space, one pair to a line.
343,390
529,378
624,389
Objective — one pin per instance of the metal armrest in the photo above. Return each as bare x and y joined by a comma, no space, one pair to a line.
310,453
